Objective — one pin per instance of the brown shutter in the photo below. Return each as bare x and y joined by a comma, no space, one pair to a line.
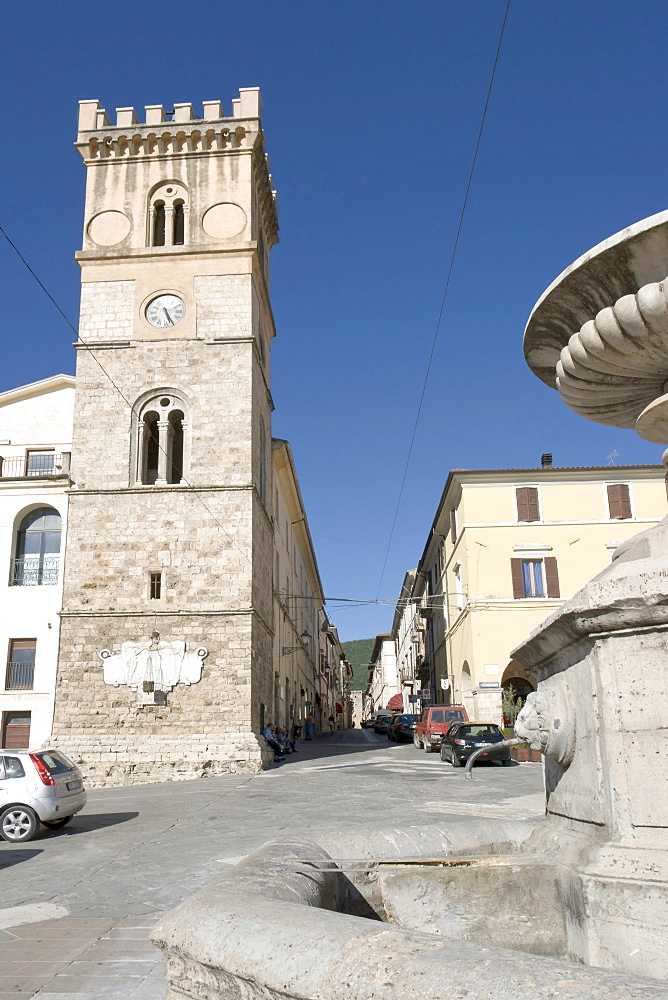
527,503
551,577
532,503
16,731
518,578
619,501
453,526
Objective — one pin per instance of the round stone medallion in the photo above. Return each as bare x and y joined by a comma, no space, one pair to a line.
223,221
108,228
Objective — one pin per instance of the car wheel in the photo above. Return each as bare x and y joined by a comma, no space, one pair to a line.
57,824
427,746
506,763
454,759
18,824
416,743
444,756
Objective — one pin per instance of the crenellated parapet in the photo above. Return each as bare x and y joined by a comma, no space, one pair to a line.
169,144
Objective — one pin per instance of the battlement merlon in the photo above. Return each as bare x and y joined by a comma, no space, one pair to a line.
93,118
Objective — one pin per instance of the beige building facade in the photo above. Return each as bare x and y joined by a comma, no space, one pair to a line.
506,549
173,623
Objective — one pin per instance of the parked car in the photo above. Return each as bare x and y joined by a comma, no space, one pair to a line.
381,722
401,727
37,786
368,723
462,739
434,723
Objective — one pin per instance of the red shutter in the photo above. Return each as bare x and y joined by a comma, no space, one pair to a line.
619,501
518,578
551,577
453,526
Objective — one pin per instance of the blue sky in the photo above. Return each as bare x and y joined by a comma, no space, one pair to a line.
371,112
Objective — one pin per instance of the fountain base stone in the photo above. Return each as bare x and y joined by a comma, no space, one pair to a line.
287,923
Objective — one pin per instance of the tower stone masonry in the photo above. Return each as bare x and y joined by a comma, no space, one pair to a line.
168,566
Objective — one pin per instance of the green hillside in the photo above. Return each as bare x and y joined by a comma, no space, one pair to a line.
358,653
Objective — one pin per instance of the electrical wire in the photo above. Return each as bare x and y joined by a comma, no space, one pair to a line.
91,350
445,291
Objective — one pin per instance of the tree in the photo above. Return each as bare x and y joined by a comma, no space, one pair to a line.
511,703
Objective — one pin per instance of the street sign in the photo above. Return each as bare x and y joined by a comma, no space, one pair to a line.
413,698
488,684
424,693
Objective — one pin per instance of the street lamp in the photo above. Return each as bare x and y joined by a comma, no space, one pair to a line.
291,649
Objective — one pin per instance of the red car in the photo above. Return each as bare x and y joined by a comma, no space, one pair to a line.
434,724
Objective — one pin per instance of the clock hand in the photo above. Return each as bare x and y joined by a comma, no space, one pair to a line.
169,318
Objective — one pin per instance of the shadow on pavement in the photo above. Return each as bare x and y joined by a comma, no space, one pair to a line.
11,856
86,822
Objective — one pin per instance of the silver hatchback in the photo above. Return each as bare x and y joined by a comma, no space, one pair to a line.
37,786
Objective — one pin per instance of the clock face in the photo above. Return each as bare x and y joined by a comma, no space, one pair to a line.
165,311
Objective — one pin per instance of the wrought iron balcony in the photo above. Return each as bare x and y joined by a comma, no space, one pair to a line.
35,571
36,464
20,675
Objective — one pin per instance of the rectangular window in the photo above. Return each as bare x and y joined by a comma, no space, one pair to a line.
619,501
526,498
453,526
40,463
20,665
156,586
535,577
15,735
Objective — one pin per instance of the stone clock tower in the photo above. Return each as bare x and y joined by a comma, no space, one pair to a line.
166,637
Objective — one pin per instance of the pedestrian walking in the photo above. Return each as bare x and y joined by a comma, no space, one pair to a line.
308,723
331,722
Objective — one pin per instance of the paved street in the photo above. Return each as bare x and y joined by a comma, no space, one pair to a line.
76,905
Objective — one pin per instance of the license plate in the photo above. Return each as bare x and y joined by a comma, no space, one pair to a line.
73,785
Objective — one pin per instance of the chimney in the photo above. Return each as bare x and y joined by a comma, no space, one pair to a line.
546,460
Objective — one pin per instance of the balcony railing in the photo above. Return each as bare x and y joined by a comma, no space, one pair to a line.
35,464
35,571
19,676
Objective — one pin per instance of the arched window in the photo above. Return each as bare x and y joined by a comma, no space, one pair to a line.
161,439
37,549
168,215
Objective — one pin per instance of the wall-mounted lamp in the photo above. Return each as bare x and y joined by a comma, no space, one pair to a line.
291,649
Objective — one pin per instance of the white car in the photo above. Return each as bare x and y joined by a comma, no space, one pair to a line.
37,786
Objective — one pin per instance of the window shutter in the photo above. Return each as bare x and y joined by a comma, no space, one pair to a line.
551,577
532,504
518,579
453,526
619,501
527,503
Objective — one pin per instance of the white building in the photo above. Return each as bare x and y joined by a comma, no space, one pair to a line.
35,436
383,680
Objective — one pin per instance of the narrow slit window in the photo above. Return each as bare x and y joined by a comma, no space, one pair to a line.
159,225
156,586
179,223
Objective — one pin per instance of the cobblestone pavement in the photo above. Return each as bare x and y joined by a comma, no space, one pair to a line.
76,905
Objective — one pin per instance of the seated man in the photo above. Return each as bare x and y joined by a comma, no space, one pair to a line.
285,741
270,736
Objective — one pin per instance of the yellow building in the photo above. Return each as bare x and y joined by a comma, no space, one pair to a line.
506,549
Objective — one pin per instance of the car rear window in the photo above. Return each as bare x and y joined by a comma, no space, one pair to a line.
455,714
438,716
408,718
479,731
55,761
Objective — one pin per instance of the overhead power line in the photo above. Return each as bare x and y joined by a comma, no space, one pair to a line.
445,290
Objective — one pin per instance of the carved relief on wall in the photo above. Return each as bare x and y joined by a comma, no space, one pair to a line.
152,667
547,723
